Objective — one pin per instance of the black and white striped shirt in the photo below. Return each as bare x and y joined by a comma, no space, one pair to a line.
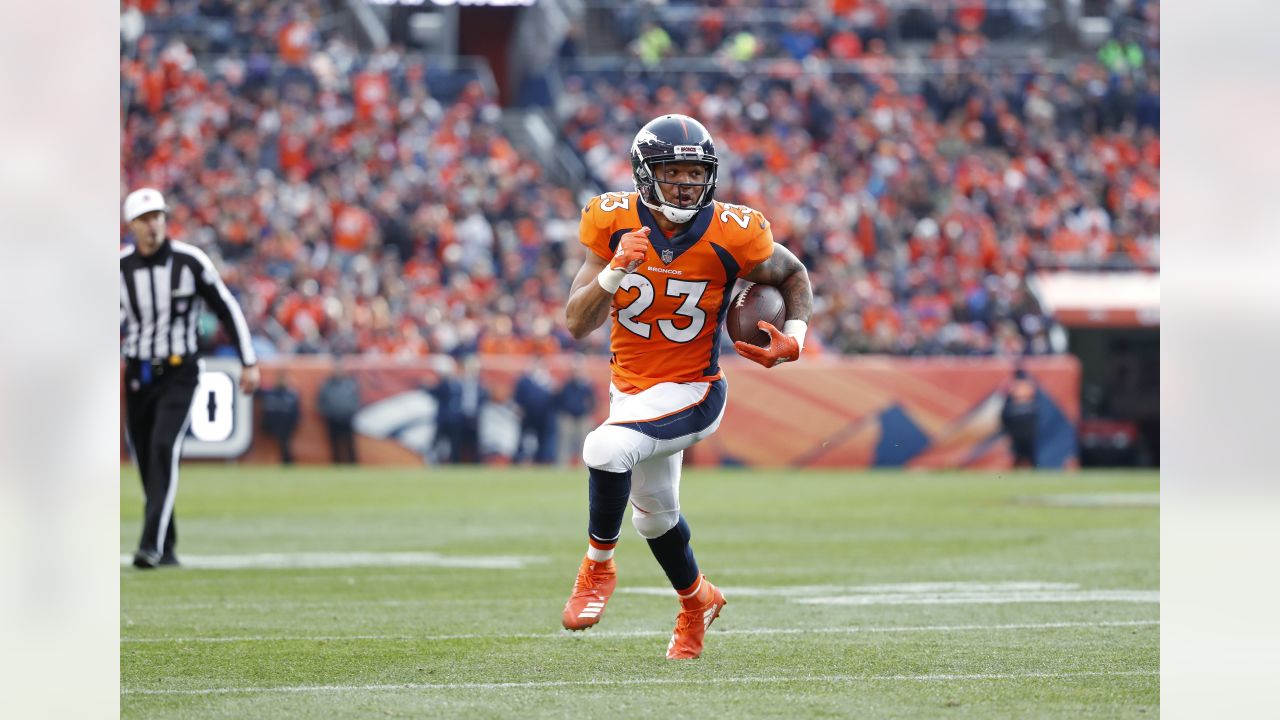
160,300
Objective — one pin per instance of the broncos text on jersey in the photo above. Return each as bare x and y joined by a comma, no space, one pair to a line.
668,313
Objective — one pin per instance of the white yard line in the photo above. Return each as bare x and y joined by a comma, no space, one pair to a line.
294,605
635,681
1002,598
278,561
606,634
925,593
929,593
268,638
1089,500
896,588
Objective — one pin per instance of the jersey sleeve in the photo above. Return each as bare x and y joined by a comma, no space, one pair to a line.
594,229
214,292
755,244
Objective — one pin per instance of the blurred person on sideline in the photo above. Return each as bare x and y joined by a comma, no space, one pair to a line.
339,401
660,266
446,443
473,398
575,401
1019,417
163,284
281,409
536,399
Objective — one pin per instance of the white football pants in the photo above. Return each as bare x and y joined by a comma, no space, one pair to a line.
647,434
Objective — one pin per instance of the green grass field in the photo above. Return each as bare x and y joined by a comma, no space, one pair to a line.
437,593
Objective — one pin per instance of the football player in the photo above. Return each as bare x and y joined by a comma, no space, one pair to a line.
662,262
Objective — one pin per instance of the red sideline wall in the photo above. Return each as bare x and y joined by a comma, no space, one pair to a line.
819,412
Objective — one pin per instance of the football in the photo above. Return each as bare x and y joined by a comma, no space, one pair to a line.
756,302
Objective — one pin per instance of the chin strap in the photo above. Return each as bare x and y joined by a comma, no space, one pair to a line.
680,215
667,211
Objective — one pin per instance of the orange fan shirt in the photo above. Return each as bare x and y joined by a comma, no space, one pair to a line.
667,314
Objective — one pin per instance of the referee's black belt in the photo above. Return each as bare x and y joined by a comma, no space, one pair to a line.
171,361
154,368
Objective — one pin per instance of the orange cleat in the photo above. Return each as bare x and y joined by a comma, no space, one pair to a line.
696,615
595,583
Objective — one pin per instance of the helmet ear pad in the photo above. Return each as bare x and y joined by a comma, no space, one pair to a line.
646,183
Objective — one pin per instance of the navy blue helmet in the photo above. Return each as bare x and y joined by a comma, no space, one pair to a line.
673,138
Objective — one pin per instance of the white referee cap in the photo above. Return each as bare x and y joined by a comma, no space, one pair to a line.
142,201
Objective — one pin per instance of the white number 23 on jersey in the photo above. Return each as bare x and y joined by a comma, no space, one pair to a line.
691,291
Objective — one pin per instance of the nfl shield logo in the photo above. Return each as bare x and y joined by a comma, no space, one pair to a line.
667,256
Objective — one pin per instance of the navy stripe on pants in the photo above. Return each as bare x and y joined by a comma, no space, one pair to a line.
689,421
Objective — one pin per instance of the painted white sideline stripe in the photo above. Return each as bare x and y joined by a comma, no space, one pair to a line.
939,593
1105,499
941,677
1127,596
276,561
920,587
268,638
605,634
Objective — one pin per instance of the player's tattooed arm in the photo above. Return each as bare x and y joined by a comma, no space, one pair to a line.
784,271
589,304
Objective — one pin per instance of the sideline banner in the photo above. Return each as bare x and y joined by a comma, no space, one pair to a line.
833,412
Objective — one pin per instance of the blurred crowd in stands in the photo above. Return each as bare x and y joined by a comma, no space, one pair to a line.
366,203
353,210
920,196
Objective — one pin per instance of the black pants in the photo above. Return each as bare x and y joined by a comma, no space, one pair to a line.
543,431
1024,451
158,406
285,440
468,447
342,442
461,437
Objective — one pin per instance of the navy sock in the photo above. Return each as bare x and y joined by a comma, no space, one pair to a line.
607,502
676,556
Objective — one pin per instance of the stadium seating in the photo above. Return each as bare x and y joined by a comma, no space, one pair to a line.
374,204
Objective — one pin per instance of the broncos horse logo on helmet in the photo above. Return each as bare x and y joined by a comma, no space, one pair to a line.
667,139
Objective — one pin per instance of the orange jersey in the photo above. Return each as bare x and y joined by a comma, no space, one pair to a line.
667,314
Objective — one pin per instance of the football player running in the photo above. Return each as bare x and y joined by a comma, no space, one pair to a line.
662,262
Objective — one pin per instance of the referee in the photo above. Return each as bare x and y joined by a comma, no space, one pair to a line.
162,284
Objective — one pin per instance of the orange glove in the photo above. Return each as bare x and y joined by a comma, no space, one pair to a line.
782,348
632,250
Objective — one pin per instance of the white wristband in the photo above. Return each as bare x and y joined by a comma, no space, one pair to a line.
796,329
611,279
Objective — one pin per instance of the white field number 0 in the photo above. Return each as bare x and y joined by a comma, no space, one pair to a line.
213,407
687,289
